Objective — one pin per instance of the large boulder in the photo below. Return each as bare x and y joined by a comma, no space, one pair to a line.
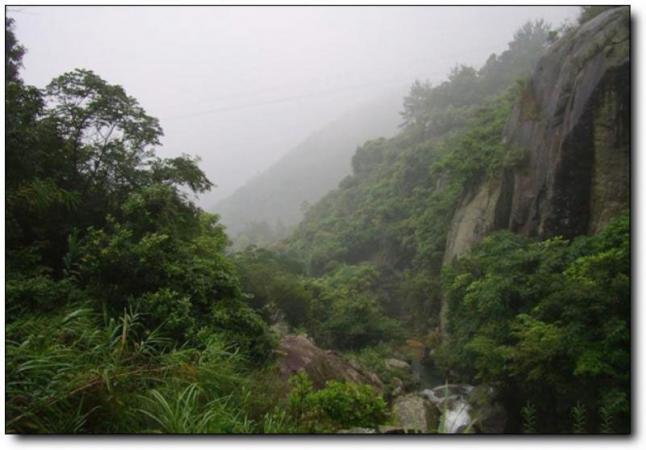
414,414
297,352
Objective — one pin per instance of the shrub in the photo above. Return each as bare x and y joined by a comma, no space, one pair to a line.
338,405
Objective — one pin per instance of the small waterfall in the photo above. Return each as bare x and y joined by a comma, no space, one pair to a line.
456,418
452,400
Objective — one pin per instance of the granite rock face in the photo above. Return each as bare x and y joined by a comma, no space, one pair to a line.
572,124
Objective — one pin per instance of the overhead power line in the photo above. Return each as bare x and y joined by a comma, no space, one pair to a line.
304,96
279,100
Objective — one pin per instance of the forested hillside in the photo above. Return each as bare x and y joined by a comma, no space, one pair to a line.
472,273
267,207
542,152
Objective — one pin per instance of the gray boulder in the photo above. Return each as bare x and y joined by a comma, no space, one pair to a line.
413,413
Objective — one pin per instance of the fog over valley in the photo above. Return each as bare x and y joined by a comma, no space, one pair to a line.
240,87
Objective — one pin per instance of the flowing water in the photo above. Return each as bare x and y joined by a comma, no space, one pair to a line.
451,399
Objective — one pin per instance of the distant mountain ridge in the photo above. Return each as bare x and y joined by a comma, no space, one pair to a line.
273,201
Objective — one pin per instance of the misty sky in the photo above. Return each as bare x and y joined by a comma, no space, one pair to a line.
241,86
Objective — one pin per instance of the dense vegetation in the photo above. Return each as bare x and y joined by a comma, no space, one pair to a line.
394,211
548,323
123,311
127,313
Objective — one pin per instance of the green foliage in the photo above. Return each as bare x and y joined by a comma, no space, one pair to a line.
439,109
394,212
338,405
259,234
187,412
358,321
528,413
274,281
373,358
117,284
64,372
13,52
348,310
78,151
344,310
549,319
607,423
70,373
165,258
125,314
39,292
579,420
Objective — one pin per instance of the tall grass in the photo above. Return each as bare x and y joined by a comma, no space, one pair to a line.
189,410
79,371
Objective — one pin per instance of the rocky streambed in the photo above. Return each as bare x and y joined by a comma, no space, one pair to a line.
453,401
435,406
429,405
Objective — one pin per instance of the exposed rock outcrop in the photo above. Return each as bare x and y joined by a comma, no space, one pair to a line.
478,213
299,353
572,123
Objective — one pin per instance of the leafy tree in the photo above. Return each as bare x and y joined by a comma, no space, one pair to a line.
14,52
274,281
117,284
108,136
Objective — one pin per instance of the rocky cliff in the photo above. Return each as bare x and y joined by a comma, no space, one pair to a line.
572,124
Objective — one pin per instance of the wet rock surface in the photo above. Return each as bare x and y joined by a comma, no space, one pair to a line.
574,111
